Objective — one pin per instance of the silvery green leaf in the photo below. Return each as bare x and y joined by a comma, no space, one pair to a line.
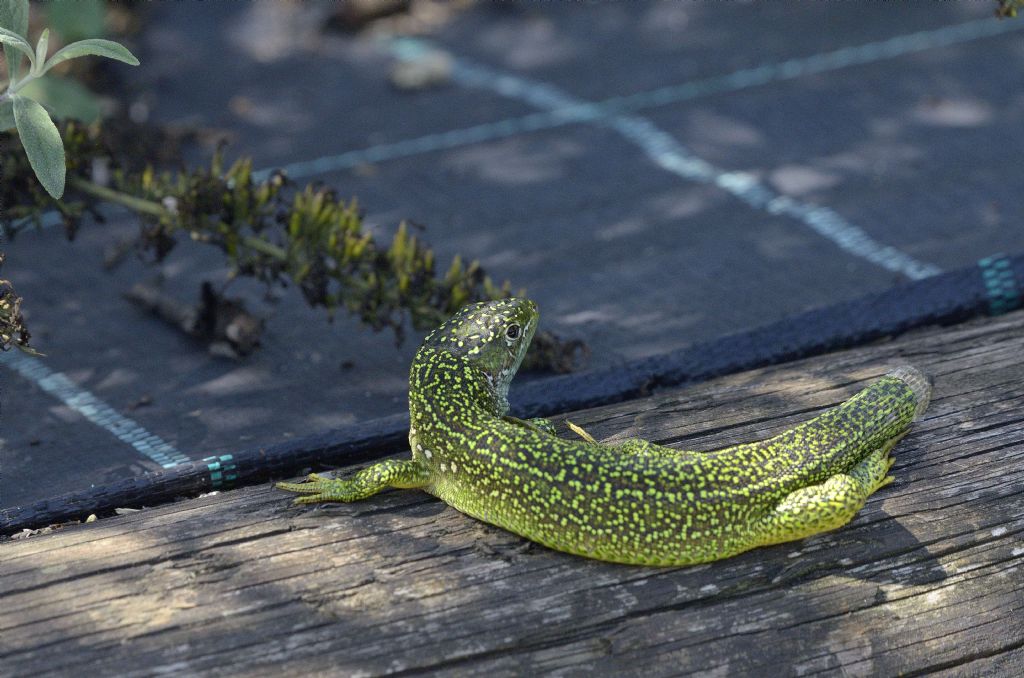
6,115
42,143
94,46
41,47
14,40
14,18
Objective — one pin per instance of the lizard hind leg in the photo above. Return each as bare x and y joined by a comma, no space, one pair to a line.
628,446
580,431
831,504
539,424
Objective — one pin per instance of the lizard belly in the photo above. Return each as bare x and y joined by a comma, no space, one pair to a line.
603,505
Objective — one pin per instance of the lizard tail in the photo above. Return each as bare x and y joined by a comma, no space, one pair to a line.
839,438
919,383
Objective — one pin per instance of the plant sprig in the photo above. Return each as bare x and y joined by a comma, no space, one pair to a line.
1007,9
39,135
308,237
277,233
12,325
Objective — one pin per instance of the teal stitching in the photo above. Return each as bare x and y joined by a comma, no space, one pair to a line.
222,469
1004,294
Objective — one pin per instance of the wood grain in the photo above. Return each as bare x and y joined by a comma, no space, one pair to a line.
928,577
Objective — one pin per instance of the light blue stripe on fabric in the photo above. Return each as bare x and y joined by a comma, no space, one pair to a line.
93,409
789,69
664,150
670,155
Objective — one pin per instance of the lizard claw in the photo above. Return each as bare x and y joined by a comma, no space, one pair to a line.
313,484
308,499
319,488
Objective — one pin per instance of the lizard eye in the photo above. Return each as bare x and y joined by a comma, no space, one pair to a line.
513,331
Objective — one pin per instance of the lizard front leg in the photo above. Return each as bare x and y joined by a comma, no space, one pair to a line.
404,473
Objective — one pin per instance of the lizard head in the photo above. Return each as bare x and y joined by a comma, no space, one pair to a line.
491,335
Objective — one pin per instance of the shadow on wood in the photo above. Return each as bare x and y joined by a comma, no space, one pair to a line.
926,578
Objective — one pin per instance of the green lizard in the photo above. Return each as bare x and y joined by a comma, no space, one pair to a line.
632,502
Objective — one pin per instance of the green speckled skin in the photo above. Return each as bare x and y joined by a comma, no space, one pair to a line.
635,502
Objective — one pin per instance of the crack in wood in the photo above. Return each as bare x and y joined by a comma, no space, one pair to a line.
924,579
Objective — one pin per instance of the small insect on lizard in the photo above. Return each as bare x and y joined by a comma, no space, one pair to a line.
630,502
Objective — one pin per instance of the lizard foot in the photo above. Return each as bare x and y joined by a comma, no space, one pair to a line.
831,504
319,488
369,481
578,430
537,424
873,471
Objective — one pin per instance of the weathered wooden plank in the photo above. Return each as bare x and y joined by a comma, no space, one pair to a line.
928,577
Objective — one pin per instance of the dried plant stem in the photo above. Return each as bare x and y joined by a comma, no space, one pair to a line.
308,238
120,198
160,212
